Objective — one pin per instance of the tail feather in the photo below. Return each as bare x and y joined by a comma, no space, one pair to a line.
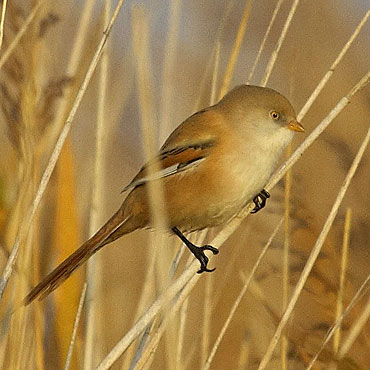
117,224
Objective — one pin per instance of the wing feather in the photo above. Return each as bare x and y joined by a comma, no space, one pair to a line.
171,162
184,149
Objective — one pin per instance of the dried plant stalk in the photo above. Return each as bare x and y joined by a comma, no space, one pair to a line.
255,63
2,21
236,49
359,294
314,253
55,155
93,341
75,327
275,53
240,297
343,270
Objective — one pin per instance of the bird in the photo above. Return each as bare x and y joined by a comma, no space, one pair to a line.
212,165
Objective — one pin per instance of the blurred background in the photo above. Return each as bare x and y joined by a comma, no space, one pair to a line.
163,61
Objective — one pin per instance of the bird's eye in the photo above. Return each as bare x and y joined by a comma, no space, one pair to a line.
274,115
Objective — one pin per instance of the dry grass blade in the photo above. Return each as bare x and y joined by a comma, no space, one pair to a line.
149,315
149,133
274,14
168,66
222,25
147,356
207,318
354,332
94,268
55,154
286,248
215,74
275,53
2,21
240,297
8,52
75,327
343,269
314,253
181,335
332,68
236,48
140,32
143,340
75,60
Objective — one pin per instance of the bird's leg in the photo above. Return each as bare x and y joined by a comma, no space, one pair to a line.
260,200
197,251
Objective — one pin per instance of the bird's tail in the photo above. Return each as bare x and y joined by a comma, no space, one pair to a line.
116,226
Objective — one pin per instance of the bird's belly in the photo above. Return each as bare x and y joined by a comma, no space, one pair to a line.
214,203
213,215
209,201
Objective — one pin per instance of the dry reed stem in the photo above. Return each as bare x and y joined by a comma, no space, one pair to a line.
267,33
355,331
275,53
202,84
147,334
55,154
189,272
229,273
8,52
314,253
169,61
181,335
74,61
147,356
139,362
179,298
287,201
240,297
207,310
166,105
332,68
75,327
343,270
215,74
157,204
39,336
140,40
244,354
236,49
359,294
2,21
149,315
93,342
207,307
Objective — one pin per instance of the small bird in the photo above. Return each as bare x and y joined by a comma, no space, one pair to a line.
211,166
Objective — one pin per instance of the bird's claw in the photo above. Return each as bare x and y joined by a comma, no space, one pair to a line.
198,252
260,200
202,258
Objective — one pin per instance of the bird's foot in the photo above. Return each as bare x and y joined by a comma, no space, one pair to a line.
201,256
260,200
198,252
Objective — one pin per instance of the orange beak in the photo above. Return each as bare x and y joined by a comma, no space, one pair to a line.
295,126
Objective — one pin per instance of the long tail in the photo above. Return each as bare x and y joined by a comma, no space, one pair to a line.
116,226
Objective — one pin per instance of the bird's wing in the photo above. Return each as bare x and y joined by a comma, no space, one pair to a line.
186,148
